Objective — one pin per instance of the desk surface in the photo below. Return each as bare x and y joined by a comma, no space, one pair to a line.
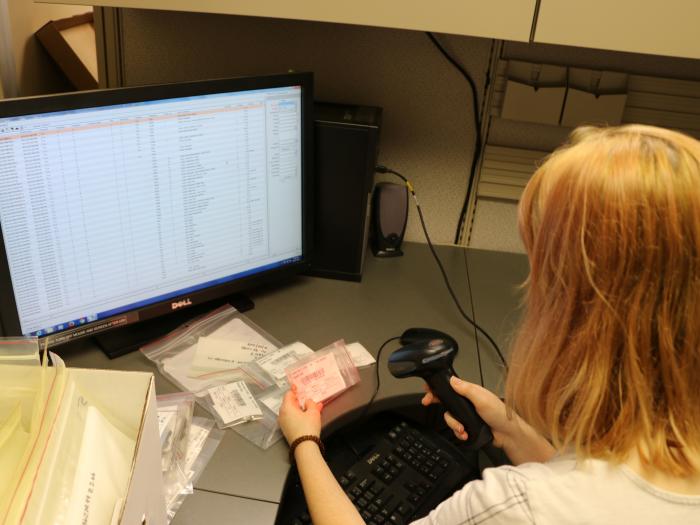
395,294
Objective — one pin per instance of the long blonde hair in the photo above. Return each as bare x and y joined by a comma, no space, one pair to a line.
607,359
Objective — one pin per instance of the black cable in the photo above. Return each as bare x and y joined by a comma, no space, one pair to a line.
471,302
477,124
376,371
384,169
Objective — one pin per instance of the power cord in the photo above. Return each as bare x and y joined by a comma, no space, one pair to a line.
376,371
384,169
478,141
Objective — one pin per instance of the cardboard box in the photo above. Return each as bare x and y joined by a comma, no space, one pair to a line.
117,409
131,398
71,44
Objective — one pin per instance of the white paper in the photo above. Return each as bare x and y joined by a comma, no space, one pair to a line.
359,355
179,365
102,475
237,329
275,363
214,354
233,402
318,379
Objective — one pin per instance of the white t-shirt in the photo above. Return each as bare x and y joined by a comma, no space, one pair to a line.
560,492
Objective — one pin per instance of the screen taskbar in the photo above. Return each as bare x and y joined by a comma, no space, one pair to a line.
152,300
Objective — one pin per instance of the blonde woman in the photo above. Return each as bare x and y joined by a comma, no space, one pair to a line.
602,421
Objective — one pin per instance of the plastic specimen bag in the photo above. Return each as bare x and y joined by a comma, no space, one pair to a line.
202,440
323,375
19,351
62,457
213,358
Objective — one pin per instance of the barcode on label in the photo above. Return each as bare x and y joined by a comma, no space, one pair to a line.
280,359
238,399
313,376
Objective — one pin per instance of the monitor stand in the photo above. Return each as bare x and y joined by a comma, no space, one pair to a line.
121,341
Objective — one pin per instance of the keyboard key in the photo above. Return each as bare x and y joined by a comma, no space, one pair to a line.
305,518
395,519
344,482
379,519
365,483
405,509
377,488
356,491
366,515
362,502
350,475
372,508
393,435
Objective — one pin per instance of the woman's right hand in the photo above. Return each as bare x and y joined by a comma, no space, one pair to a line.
518,439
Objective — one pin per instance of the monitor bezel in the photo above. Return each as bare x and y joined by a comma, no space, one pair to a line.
9,316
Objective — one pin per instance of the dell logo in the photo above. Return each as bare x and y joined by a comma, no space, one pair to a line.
373,458
180,304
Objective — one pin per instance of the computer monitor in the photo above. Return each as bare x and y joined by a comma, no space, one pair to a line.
122,205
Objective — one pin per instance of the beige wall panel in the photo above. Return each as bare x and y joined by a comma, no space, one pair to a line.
642,26
503,19
428,125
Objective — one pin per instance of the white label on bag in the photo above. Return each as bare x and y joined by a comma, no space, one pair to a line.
234,403
276,362
196,439
222,354
318,379
165,418
359,355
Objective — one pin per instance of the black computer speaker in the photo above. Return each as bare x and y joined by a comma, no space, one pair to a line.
389,215
346,141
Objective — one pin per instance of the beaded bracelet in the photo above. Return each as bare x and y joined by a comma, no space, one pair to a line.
300,440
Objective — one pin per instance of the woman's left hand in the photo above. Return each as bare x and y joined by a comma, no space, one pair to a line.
296,421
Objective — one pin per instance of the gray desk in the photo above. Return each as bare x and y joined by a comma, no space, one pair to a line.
395,294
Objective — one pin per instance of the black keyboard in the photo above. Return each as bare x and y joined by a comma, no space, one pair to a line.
393,471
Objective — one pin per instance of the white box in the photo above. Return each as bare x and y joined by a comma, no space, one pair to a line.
127,402
131,399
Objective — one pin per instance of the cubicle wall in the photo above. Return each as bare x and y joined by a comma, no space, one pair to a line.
428,129
660,91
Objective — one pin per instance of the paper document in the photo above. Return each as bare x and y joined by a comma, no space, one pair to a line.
359,355
103,469
318,379
222,354
234,403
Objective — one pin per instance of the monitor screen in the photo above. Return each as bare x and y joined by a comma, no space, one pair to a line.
119,205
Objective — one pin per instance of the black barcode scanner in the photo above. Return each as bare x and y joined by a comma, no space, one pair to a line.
429,354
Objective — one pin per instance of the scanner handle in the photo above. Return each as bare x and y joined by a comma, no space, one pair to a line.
479,433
